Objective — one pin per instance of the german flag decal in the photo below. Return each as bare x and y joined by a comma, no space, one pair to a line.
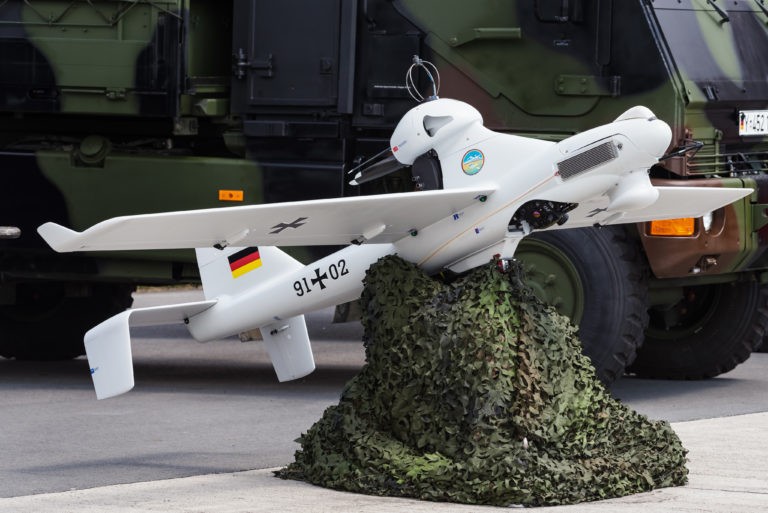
244,261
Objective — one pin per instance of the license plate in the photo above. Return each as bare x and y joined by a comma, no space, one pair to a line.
753,122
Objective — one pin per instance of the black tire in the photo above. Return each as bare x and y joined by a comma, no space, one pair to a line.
711,330
763,346
595,276
47,323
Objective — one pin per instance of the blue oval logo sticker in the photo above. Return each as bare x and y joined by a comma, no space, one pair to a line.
472,162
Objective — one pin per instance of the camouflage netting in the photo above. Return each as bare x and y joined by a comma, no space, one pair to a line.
475,392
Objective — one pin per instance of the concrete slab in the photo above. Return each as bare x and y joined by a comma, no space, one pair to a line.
728,474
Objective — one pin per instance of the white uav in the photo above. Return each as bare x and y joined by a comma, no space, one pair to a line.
495,189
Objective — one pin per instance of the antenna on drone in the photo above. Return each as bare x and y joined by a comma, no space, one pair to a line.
376,166
432,74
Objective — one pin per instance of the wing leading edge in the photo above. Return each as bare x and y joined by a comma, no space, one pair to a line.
380,219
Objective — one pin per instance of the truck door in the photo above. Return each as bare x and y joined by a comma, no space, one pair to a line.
293,53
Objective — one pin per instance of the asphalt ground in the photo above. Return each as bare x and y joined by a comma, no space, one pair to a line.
201,414
728,464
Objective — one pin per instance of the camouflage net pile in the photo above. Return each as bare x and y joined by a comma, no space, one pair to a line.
475,392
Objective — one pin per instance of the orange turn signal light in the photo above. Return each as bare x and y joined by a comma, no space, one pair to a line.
228,195
683,227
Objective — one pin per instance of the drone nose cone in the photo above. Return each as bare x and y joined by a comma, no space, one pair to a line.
658,139
653,136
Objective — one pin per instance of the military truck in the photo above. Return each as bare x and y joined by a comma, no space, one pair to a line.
123,107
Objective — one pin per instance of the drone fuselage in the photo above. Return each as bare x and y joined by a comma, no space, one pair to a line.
519,169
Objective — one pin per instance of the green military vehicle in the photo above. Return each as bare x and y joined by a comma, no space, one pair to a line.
123,107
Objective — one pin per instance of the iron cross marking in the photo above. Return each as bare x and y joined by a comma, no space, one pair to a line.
319,278
279,227
596,211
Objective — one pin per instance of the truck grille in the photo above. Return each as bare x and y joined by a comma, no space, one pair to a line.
711,161
586,160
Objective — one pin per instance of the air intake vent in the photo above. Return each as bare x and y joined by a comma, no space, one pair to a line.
586,160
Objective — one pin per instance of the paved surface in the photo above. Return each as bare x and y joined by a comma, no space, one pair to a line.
210,411
196,409
728,468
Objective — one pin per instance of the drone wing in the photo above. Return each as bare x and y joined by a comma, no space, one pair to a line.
672,203
378,219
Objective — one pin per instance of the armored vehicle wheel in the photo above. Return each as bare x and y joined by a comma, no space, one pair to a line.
711,330
47,323
596,277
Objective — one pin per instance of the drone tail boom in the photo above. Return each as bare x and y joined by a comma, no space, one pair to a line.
234,271
226,274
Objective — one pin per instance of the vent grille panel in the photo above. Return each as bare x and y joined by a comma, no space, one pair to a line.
716,160
587,160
